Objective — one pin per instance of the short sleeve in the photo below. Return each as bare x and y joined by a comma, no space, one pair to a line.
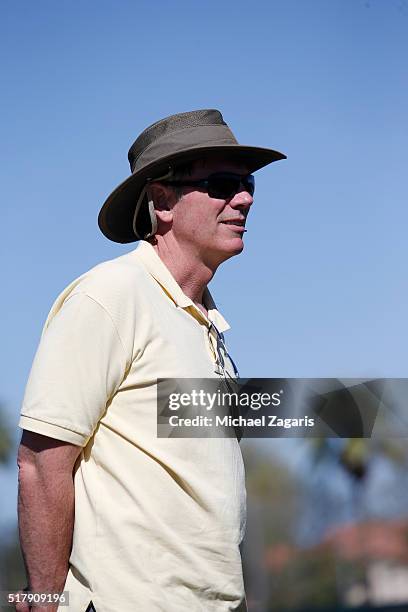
79,365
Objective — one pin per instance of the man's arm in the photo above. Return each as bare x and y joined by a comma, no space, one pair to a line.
46,509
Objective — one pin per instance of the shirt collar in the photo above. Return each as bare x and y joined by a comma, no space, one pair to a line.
159,271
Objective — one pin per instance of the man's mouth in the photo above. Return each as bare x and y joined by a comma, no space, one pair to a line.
237,223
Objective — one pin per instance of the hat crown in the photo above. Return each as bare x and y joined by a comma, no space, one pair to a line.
173,123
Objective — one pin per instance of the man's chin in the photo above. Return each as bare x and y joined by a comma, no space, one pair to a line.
239,248
225,251
235,247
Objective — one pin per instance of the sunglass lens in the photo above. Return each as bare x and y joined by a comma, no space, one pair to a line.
249,184
223,187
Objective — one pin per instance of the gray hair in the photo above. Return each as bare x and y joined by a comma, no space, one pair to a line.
179,173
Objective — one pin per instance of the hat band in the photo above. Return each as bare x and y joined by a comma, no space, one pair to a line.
184,139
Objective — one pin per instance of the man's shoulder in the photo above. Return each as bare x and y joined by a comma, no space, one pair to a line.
122,274
116,285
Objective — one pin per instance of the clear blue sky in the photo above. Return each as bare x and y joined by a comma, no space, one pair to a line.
321,288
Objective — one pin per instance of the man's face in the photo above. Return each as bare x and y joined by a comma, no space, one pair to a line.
203,224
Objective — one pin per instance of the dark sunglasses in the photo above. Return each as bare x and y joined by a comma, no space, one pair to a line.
222,185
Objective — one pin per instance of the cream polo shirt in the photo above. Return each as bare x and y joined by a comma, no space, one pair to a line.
158,521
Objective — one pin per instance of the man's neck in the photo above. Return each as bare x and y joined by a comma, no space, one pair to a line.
190,272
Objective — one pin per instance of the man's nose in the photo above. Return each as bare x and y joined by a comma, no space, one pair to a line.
242,199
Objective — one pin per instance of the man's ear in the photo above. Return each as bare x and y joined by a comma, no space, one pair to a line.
164,199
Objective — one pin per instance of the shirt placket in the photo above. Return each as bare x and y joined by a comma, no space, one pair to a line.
212,339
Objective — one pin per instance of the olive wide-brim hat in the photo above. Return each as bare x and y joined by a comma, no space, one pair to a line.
127,215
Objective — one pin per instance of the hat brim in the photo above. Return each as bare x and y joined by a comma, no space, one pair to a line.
115,218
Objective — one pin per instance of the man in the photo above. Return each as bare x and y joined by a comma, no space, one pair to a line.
107,510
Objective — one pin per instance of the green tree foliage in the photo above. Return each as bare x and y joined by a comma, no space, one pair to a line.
357,455
273,562
12,573
6,442
11,564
